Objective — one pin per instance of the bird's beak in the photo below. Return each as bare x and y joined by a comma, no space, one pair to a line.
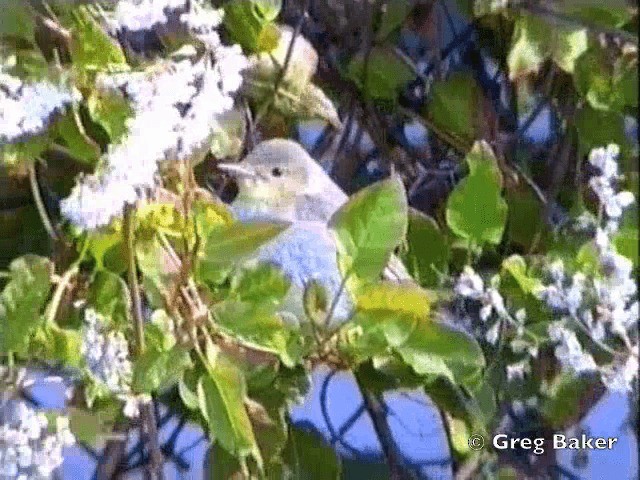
236,170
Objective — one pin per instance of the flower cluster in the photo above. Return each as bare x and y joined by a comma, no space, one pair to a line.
107,357
604,308
495,316
28,451
176,112
27,108
136,15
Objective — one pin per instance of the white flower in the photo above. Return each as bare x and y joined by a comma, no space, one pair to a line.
176,112
569,352
585,221
493,333
26,108
27,449
573,295
622,378
517,371
556,270
553,296
202,23
605,159
469,284
135,15
106,354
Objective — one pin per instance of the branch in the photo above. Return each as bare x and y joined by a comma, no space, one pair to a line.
154,470
374,407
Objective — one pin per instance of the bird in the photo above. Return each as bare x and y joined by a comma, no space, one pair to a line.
279,181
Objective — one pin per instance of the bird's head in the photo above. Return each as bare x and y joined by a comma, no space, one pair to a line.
274,172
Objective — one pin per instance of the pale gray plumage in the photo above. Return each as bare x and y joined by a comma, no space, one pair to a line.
278,180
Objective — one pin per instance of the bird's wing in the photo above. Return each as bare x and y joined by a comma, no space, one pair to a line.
319,208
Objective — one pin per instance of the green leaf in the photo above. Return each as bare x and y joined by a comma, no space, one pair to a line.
221,465
386,74
80,145
111,111
395,13
597,128
561,407
228,139
158,267
108,250
435,349
626,243
24,152
453,108
475,209
187,389
614,13
368,228
517,267
535,40
427,253
307,457
22,300
17,20
92,49
156,370
268,9
246,21
221,396
256,326
109,295
401,298
607,84
261,285
526,218
66,346
89,426
229,244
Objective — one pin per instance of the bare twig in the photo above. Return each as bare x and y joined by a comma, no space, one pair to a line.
374,407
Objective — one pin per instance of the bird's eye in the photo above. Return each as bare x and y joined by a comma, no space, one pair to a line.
276,172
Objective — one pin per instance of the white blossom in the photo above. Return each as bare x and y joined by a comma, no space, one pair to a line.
613,203
27,449
605,159
469,284
518,370
569,352
176,112
136,15
27,108
622,378
106,354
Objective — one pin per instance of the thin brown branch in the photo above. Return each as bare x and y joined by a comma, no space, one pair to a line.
155,467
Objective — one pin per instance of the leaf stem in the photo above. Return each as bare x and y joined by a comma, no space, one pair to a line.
56,299
37,198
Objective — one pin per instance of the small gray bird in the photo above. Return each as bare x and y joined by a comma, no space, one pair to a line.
278,180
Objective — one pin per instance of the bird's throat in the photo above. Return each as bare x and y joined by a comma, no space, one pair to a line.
253,209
